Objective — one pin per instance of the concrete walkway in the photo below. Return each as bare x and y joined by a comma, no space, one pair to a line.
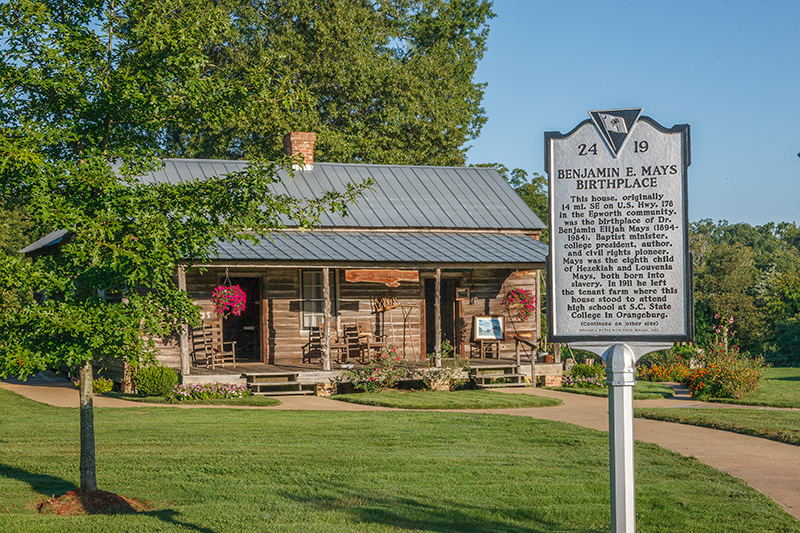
768,466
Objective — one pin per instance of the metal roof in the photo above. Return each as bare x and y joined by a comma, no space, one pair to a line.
402,196
376,247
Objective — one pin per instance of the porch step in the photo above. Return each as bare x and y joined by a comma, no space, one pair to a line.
484,377
276,384
481,375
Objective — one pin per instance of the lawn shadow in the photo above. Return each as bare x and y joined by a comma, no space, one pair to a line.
42,483
440,515
785,378
51,486
169,516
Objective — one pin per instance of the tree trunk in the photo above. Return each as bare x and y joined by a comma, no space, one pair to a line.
88,470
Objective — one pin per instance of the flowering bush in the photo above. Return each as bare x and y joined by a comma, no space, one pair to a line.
724,371
669,372
586,377
228,300
389,369
519,303
208,391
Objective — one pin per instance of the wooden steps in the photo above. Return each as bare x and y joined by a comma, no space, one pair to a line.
496,376
276,384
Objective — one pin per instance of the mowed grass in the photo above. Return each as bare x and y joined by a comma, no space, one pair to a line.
643,390
782,426
466,399
780,387
219,470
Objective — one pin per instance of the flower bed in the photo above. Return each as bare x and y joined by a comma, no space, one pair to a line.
585,376
208,391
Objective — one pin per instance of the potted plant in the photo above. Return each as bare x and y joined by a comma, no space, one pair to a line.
228,300
520,304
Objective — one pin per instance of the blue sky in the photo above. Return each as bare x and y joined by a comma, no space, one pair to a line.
731,69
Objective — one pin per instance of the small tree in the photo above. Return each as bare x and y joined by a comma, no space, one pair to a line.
89,90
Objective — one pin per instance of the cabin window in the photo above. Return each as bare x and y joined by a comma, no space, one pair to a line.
313,302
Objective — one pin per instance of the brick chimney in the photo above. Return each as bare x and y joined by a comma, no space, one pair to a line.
299,142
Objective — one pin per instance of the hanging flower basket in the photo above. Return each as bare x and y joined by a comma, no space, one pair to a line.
228,300
519,304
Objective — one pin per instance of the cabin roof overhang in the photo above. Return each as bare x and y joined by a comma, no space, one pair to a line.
362,249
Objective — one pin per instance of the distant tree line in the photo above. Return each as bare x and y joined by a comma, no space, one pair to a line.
753,274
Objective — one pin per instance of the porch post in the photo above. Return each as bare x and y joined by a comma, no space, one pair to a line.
326,337
184,337
538,293
437,309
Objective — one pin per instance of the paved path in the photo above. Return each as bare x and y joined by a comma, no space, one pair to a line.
770,467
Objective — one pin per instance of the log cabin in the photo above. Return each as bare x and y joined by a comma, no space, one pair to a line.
416,259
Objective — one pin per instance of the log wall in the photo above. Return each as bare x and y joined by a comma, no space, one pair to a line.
282,337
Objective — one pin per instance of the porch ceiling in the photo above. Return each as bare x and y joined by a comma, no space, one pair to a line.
389,247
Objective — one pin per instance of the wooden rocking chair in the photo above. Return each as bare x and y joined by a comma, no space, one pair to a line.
218,352
371,344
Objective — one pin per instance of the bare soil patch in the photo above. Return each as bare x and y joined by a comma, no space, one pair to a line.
78,502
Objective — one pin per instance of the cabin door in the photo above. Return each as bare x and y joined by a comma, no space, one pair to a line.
245,330
447,312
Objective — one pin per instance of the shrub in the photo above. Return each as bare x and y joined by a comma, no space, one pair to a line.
724,371
99,385
384,374
670,372
586,377
451,372
208,391
155,380
677,355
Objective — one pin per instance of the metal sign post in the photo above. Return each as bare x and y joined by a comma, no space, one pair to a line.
619,271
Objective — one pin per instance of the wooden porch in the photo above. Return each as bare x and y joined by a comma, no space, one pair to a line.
306,378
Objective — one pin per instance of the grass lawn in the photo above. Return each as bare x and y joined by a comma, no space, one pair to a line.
782,426
466,399
643,390
249,400
780,387
219,470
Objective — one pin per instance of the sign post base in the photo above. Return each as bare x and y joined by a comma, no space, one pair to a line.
621,377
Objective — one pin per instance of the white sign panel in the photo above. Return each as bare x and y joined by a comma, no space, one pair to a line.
619,265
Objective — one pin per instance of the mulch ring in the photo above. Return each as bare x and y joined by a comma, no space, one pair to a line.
78,502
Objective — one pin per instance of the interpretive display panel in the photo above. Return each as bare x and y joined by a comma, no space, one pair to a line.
619,266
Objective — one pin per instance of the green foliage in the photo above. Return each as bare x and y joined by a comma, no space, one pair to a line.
90,95
388,82
586,377
207,391
749,272
451,373
389,369
669,365
724,371
99,385
155,380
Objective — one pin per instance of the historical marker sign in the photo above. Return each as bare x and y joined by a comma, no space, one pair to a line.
619,265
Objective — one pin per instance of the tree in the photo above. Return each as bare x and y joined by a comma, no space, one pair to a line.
89,90
381,82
